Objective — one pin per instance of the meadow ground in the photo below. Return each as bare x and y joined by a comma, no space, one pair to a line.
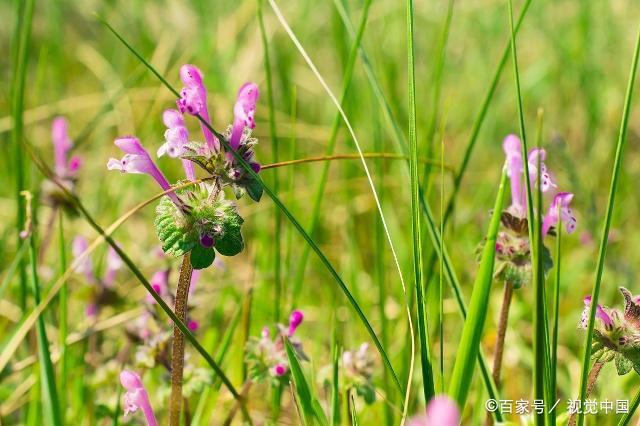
573,63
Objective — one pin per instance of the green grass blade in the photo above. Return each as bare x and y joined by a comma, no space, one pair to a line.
13,267
329,150
50,404
277,237
556,310
469,345
22,39
335,384
633,407
289,216
62,306
310,406
617,164
425,356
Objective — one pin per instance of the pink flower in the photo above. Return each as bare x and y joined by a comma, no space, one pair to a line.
243,112
136,397
85,267
441,411
601,314
193,100
160,284
61,145
137,160
295,319
176,137
114,264
562,200
279,370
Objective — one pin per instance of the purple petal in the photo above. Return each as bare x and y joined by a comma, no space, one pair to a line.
442,411
61,144
295,319
243,112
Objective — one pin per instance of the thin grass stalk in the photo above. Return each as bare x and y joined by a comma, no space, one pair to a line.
22,38
428,387
50,404
556,309
335,370
269,192
469,346
437,88
13,267
62,306
277,238
177,347
626,419
329,150
617,163
539,339
441,266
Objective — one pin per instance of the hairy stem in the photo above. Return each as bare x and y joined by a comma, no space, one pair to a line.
177,357
502,331
591,382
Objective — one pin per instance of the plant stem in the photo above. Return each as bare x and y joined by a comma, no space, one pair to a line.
48,233
591,382
63,318
177,354
502,331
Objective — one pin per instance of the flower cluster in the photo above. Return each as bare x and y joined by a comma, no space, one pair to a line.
66,170
266,356
357,371
513,249
197,219
616,333
102,291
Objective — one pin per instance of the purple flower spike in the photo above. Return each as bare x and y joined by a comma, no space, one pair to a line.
279,370
136,398
243,112
295,319
193,100
562,200
537,156
601,314
176,137
61,145
85,267
137,160
515,166
114,264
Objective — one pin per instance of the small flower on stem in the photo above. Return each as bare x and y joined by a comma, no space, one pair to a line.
243,112
137,160
176,137
61,145
193,100
136,397
562,201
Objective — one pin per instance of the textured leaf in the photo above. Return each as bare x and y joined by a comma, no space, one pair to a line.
174,240
202,257
231,242
623,365
254,189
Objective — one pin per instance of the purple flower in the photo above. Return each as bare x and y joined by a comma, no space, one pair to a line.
193,100
136,397
114,264
137,160
295,319
601,314
279,370
441,411
562,200
84,267
243,112
160,284
176,137
61,145
193,325
515,171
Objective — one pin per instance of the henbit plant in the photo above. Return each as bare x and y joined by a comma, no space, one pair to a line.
193,221
136,397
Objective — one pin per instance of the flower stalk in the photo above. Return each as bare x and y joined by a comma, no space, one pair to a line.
177,357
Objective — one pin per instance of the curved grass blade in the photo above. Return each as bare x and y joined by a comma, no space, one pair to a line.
282,207
62,306
469,345
11,270
626,419
617,163
428,387
556,309
310,406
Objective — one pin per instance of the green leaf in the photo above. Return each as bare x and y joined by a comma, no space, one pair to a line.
174,240
367,392
202,257
254,189
310,406
231,242
623,365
